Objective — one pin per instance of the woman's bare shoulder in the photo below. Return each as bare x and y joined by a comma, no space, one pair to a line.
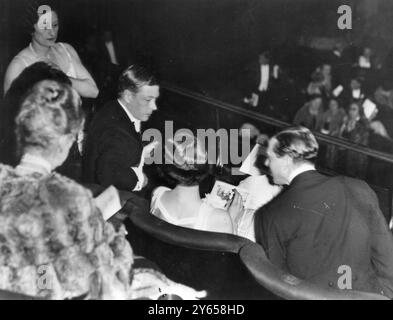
16,66
20,58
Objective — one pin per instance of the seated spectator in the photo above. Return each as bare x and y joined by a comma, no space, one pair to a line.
384,96
354,92
185,167
114,152
330,124
321,81
356,129
326,71
26,80
10,107
320,223
55,243
310,114
332,119
315,86
364,60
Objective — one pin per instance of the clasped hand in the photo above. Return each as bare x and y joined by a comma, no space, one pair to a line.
235,206
58,56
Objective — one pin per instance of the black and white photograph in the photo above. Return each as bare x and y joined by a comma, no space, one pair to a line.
219,151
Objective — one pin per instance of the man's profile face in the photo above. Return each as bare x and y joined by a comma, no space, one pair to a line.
143,103
278,165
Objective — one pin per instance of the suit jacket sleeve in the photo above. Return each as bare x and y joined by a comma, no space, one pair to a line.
268,235
381,237
114,160
382,245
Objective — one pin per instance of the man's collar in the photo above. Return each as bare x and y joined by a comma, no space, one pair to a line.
305,167
137,123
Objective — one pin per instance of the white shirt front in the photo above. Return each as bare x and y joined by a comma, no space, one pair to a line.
264,83
138,170
356,94
364,62
111,51
135,121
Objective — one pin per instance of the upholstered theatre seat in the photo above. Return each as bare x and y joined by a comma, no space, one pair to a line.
203,260
289,287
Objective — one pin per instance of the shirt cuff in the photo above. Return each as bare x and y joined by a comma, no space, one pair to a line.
141,178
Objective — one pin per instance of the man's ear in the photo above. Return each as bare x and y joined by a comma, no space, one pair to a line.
128,95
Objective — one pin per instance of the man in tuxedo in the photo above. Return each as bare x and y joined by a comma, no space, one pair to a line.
322,225
114,150
261,79
340,66
310,115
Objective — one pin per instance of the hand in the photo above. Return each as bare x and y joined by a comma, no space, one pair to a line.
235,207
53,65
145,181
59,57
151,284
148,149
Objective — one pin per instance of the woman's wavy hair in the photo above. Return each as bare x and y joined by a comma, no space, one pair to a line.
49,111
31,13
298,143
185,162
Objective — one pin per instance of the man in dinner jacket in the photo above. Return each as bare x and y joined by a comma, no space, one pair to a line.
113,152
327,230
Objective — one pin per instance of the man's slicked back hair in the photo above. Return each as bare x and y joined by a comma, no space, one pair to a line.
135,77
297,142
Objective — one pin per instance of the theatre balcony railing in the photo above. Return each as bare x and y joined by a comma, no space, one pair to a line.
193,110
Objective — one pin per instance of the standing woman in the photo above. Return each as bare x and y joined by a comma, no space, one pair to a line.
43,47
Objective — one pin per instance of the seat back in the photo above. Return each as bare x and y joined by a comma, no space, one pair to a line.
203,260
289,287
7,295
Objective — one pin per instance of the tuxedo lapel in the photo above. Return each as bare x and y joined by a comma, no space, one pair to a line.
126,123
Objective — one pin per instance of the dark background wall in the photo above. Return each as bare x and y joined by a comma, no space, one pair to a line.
201,39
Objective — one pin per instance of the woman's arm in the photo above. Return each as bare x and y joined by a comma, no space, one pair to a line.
14,69
84,82
85,87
